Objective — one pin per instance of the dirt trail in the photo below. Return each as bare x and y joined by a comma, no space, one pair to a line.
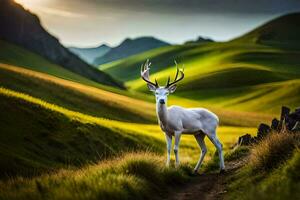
206,186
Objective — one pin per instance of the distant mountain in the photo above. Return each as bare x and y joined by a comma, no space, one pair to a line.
90,54
23,28
199,40
283,31
130,47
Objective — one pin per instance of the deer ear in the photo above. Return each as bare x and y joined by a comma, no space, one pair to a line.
151,87
172,88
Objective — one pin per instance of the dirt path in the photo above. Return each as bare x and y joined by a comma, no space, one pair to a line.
206,186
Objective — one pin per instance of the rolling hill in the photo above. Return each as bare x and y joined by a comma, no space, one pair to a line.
76,96
20,27
239,75
40,137
130,47
69,124
281,32
18,56
90,54
57,125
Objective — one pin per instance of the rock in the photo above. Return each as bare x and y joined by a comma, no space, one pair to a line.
284,112
296,127
245,139
295,116
275,124
292,120
263,130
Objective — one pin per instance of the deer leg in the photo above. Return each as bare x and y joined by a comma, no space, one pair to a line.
176,147
218,146
201,143
169,146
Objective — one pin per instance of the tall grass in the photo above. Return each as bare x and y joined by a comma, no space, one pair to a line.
130,176
272,170
273,151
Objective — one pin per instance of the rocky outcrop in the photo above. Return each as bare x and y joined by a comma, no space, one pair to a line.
23,28
289,121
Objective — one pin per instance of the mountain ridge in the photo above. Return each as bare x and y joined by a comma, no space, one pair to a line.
129,47
91,53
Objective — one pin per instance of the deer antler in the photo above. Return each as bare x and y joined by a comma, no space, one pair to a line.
176,76
145,68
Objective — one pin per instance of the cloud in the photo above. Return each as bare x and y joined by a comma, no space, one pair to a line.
202,6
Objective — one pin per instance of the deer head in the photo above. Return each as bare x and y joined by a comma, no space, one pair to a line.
161,92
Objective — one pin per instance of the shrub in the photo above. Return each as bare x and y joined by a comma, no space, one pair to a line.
273,151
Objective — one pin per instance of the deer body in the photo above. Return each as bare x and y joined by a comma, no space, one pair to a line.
186,120
175,120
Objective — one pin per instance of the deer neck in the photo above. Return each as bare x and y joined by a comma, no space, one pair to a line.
162,114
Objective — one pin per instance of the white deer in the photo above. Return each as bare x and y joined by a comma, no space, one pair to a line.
176,120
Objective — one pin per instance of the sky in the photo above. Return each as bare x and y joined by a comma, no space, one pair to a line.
89,23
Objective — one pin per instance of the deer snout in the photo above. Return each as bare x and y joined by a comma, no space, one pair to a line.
162,101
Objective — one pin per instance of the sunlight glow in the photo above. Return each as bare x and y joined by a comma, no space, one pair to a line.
31,3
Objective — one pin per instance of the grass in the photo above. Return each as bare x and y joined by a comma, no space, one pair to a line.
37,137
240,76
261,100
271,171
15,56
130,176
72,95
273,151
58,126
18,56
103,103
55,136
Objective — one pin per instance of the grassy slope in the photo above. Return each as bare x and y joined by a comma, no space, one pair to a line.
54,136
76,96
37,135
258,71
217,74
282,32
17,56
133,176
271,172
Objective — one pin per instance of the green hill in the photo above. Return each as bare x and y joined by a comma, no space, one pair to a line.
218,73
76,96
283,31
37,136
17,56
56,125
